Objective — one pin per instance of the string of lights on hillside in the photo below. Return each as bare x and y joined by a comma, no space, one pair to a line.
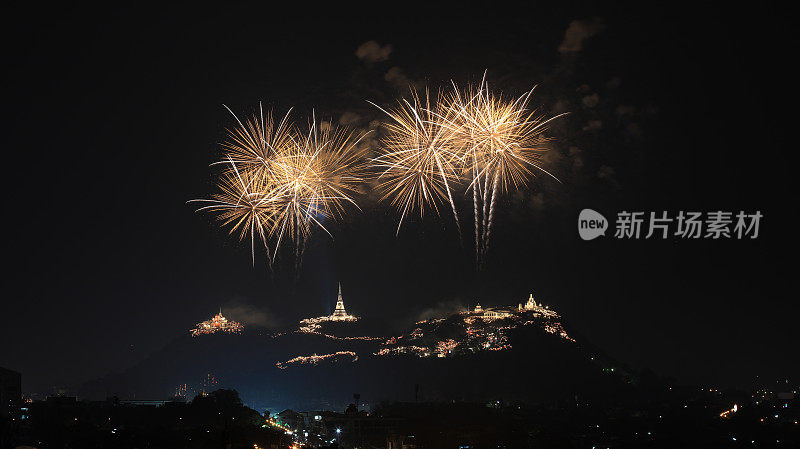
418,350
314,359
335,337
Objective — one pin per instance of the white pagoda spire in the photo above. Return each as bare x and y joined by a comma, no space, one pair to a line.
339,312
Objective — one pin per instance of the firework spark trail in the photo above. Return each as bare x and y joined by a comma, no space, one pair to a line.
449,197
456,105
477,223
445,120
491,216
256,141
244,204
485,214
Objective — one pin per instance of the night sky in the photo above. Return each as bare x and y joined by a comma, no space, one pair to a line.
112,118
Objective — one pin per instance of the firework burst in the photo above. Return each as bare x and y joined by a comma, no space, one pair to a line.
316,175
502,145
470,137
418,162
278,183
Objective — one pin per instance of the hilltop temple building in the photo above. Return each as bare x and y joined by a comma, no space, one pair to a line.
217,324
493,313
530,305
496,313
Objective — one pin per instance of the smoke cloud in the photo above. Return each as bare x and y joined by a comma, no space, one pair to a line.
577,32
371,52
442,309
249,314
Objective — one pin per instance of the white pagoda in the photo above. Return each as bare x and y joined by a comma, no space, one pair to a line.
339,314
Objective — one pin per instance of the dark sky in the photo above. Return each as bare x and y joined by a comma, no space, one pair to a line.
113,116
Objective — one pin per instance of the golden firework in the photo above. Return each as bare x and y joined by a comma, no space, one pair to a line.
257,140
500,139
418,161
473,136
278,183
245,204
315,176
502,144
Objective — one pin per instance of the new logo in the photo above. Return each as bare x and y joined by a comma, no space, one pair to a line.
591,224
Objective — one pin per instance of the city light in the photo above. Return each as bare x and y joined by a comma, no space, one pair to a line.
734,409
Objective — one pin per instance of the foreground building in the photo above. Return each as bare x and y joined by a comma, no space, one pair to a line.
10,392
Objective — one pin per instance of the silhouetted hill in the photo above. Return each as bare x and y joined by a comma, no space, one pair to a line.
523,356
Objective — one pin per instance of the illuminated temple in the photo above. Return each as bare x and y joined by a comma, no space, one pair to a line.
496,313
340,314
217,324
530,305
482,329
314,325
